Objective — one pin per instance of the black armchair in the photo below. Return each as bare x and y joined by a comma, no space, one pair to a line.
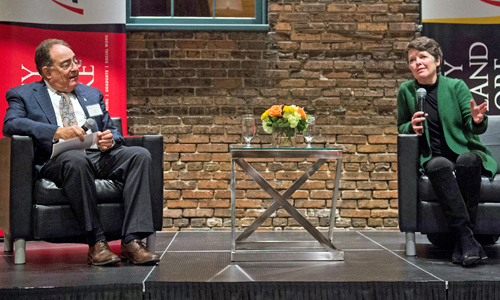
419,210
39,210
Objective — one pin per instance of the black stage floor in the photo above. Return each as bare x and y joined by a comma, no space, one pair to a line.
197,265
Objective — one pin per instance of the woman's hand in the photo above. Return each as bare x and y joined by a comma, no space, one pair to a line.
417,122
477,112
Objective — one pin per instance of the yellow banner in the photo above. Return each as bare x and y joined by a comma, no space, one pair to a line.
484,20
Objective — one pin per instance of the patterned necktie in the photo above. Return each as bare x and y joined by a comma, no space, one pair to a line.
67,112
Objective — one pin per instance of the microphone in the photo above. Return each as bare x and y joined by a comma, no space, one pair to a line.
421,92
89,124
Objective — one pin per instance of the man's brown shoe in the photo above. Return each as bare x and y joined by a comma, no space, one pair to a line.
136,252
100,255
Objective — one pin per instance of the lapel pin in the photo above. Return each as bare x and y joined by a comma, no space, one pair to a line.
85,99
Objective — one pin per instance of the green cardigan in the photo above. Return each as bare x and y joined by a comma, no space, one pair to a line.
460,131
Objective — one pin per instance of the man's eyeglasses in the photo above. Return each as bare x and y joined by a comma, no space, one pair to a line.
68,64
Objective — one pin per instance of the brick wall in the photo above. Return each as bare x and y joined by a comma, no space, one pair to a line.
341,60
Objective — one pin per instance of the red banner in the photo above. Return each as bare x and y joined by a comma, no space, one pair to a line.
82,24
94,29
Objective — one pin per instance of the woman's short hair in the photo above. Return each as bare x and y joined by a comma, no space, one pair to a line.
428,44
42,53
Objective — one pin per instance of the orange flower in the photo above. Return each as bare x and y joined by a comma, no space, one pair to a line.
301,112
275,111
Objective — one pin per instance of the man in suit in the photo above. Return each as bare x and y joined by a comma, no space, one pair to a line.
54,109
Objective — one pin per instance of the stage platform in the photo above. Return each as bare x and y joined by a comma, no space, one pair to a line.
197,265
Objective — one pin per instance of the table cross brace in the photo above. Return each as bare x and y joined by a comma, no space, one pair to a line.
281,200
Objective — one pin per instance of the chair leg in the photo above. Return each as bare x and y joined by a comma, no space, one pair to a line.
20,252
151,242
8,246
411,249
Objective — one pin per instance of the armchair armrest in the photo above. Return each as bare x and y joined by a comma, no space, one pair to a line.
408,174
154,143
16,195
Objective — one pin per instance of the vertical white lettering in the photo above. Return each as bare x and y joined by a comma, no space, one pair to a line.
480,53
478,44
89,73
452,68
496,100
479,90
30,73
482,66
497,83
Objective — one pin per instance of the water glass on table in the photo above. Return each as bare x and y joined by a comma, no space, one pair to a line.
248,128
309,132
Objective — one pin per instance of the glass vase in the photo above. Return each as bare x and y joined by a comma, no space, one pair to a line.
283,135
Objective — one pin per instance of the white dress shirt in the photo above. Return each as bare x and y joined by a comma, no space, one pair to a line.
55,98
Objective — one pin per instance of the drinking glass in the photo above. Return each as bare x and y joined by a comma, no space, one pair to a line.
248,128
309,133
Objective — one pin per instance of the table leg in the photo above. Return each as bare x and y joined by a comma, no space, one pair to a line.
334,200
233,204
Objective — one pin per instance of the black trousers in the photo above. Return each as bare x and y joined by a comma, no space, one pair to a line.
75,172
465,176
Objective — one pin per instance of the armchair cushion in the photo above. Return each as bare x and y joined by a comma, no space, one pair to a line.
490,190
56,222
47,193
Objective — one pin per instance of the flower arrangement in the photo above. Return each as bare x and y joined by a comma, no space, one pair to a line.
284,115
282,121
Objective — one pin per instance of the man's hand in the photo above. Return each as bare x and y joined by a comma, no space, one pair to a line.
477,112
104,140
69,132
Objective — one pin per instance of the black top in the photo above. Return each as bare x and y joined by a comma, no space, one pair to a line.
439,147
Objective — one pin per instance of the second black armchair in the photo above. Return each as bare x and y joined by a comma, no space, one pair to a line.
419,209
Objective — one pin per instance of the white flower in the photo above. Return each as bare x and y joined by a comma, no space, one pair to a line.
267,129
293,119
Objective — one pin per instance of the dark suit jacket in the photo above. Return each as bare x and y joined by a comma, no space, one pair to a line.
31,113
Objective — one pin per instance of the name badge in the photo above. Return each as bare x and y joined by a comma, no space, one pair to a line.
94,110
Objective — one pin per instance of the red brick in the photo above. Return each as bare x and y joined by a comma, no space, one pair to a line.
248,203
171,195
195,157
215,203
310,203
182,203
212,184
370,204
198,213
384,213
172,213
197,194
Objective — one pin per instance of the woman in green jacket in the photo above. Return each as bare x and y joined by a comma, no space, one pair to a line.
451,154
